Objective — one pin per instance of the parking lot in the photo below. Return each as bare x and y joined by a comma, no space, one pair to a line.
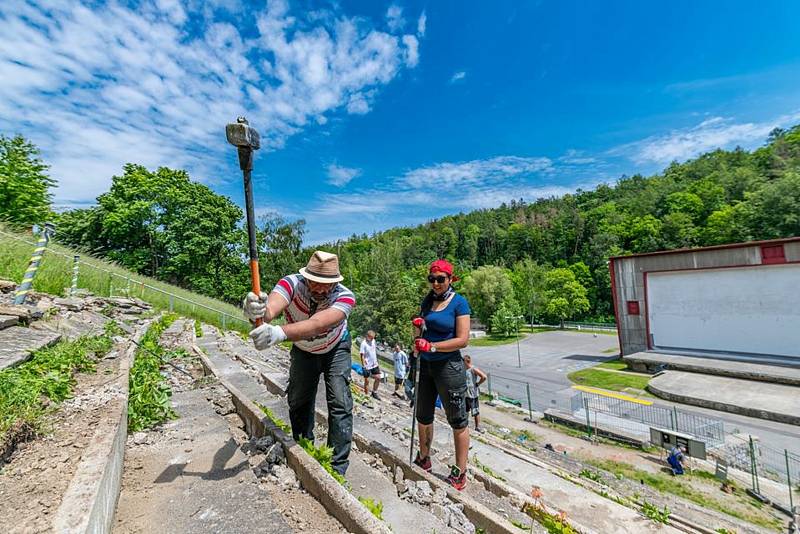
546,358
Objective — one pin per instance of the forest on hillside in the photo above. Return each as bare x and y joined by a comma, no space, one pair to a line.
544,260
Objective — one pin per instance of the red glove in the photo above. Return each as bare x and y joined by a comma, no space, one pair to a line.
422,345
419,322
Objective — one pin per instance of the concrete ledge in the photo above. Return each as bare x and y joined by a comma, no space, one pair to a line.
478,514
89,503
773,402
18,343
747,370
335,498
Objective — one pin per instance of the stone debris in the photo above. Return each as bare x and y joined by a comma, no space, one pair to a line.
449,513
7,286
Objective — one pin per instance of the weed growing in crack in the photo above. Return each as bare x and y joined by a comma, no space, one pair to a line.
376,508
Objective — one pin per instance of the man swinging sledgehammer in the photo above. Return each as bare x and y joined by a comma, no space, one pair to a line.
316,307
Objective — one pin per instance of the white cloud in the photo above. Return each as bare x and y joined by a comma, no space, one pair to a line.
577,157
475,172
394,18
412,50
341,176
422,24
460,75
713,133
96,86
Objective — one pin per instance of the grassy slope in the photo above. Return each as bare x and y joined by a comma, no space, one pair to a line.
55,274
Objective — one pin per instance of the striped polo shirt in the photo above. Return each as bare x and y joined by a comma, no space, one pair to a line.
295,290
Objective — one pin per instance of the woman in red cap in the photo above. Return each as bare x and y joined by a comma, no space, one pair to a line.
439,344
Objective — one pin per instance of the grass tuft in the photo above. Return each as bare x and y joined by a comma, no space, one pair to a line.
324,455
149,398
29,390
376,508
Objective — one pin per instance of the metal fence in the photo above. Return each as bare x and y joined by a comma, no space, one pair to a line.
774,473
132,287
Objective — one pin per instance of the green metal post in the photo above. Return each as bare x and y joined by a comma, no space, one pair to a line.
530,411
754,466
588,419
789,480
223,321
489,380
36,258
171,303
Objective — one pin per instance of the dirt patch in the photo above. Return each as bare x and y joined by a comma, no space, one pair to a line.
38,472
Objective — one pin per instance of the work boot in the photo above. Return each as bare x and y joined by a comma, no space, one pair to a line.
457,479
424,463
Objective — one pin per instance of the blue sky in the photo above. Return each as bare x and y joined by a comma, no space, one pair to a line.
378,114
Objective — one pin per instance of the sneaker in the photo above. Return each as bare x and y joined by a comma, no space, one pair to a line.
375,395
457,479
424,463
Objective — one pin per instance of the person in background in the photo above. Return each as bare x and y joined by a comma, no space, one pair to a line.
400,369
475,377
369,360
441,368
675,460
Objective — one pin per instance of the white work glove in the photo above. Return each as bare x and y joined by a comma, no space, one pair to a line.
254,306
267,335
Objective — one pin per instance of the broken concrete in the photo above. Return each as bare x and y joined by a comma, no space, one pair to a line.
336,499
18,343
7,321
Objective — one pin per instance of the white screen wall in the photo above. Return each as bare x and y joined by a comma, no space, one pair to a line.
749,309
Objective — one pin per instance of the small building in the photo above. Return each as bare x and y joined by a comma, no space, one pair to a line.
738,301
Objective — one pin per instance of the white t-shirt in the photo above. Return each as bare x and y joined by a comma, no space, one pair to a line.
370,353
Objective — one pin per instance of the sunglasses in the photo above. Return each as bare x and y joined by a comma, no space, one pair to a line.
440,279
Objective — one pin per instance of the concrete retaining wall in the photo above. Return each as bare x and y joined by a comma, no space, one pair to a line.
90,501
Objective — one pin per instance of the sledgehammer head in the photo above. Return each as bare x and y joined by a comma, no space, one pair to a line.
241,134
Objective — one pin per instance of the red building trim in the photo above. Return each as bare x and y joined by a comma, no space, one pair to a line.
715,247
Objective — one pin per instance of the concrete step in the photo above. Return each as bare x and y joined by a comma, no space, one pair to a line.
386,423
749,370
365,480
204,481
774,402
7,321
17,343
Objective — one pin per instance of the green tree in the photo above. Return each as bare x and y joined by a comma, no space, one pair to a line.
485,288
25,195
566,297
527,278
164,225
506,320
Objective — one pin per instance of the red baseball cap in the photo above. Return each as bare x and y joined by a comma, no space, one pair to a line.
442,266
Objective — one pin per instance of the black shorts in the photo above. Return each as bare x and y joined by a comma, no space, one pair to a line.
448,379
472,406
398,380
375,371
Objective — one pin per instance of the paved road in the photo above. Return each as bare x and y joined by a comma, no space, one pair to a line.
548,357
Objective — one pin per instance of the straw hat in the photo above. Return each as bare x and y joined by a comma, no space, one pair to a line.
323,267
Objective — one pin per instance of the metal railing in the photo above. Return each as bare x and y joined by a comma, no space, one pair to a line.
132,284
626,417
